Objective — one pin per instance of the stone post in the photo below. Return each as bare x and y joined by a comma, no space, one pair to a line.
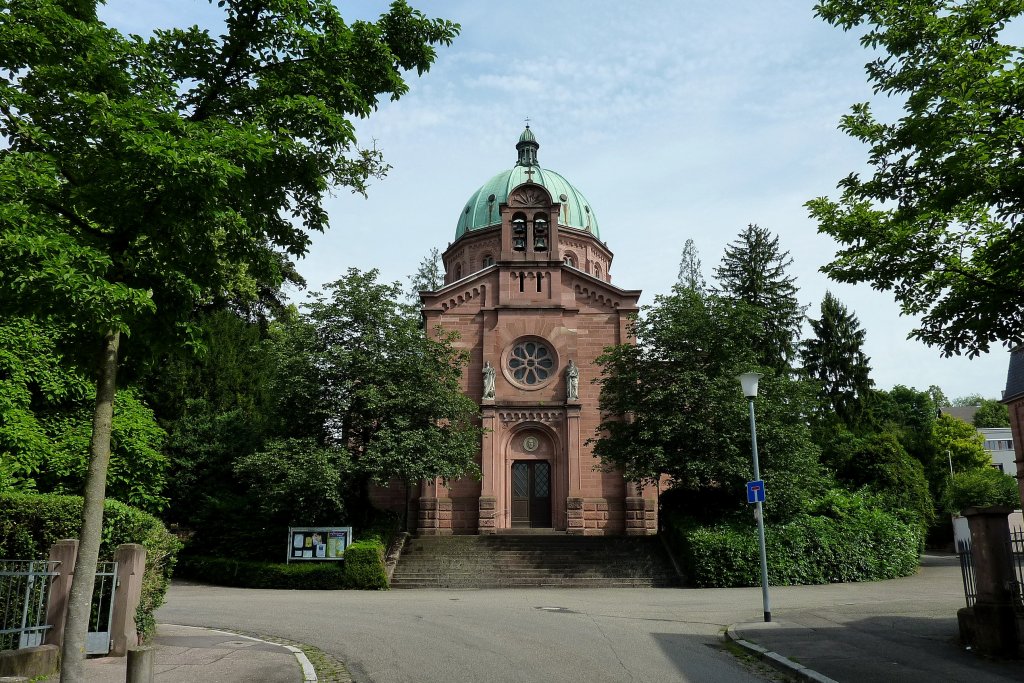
131,563
140,665
995,625
65,552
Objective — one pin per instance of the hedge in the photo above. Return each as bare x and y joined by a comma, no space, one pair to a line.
866,545
363,568
31,523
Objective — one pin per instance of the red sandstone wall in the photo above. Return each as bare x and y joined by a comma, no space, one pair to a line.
1017,429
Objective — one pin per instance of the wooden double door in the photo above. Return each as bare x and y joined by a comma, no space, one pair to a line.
531,494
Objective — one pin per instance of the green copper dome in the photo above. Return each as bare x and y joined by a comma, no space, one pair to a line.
481,211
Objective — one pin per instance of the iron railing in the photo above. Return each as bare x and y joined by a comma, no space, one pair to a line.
24,593
1017,560
963,551
97,640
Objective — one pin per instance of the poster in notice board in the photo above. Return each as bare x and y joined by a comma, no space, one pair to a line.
321,543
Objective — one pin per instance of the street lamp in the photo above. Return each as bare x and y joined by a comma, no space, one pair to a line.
748,381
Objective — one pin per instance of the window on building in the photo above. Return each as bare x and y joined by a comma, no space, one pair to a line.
569,260
458,271
597,270
540,280
488,261
540,232
531,363
519,232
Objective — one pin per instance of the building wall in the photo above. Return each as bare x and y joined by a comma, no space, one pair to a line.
574,311
999,445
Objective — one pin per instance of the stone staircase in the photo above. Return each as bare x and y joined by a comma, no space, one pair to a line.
533,560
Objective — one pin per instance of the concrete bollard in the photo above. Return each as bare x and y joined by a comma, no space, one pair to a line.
140,664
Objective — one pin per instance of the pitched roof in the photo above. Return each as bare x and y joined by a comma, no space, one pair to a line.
1015,375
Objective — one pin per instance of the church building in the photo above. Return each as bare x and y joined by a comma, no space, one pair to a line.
528,288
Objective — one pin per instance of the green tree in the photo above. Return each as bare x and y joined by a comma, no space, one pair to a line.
881,464
937,222
672,406
691,275
218,151
429,276
45,422
835,357
938,396
958,442
979,488
753,270
991,413
393,392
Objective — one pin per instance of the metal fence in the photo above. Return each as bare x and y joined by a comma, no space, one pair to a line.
1015,541
963,551
1017,559
24,594
97,641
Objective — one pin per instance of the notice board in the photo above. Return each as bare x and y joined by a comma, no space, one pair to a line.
318,543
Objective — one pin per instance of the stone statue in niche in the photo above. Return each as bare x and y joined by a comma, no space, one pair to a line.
572,382
489,375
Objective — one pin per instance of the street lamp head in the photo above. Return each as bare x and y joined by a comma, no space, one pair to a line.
748,380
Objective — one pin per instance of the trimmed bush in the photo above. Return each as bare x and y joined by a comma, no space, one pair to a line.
253,574
860,544
363,569
31,523
364,566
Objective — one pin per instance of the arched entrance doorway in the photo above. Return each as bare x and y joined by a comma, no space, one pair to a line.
531,480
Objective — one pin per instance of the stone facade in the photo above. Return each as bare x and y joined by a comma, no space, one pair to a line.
527,296
1013,397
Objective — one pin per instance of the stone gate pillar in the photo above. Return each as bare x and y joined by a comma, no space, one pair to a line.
994,628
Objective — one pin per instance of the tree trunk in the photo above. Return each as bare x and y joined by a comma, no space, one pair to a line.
80,601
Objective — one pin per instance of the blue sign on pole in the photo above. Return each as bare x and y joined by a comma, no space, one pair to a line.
755,491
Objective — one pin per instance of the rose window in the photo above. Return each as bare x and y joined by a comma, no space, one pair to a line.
530,363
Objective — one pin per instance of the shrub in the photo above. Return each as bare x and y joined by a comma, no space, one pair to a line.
252,574
363,568
978,488
848,539
30,524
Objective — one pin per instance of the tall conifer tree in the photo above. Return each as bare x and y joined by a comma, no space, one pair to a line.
753,270
835,357
429,276
690,275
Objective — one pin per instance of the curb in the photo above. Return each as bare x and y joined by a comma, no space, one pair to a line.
308,672
776,660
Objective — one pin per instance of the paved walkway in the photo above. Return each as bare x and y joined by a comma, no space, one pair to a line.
903,630
186,654
903,639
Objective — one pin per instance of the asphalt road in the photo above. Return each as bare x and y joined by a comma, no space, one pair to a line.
594,635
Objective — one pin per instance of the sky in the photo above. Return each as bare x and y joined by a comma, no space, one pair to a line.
676,120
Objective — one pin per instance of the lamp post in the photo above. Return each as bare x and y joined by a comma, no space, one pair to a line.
748,381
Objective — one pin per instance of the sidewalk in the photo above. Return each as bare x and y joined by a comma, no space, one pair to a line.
186,654
820,648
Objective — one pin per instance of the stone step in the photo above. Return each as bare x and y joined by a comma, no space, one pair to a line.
532,560
546,583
